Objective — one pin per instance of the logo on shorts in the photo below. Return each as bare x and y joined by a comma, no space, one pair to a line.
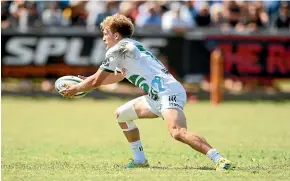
172,98
173,102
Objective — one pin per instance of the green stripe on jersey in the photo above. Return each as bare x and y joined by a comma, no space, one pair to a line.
141,48
133,79
139,81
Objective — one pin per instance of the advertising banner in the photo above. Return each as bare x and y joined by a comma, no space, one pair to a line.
55,55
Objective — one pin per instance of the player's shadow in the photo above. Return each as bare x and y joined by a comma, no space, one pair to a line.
182,168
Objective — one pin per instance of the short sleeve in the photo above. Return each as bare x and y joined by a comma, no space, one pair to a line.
116,55
110,63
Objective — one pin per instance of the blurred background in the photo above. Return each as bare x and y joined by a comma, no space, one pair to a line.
43,40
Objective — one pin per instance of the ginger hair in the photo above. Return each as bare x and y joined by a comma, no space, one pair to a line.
118,23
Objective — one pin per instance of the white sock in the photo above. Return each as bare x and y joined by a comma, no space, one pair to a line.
139,156
213,155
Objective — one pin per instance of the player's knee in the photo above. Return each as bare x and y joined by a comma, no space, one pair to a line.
177,133
118,112
125,115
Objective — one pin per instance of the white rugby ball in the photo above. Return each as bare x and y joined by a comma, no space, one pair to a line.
68,80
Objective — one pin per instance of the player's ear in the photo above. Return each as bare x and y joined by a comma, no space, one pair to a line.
117,36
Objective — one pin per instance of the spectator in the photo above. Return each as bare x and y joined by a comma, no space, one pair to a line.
172,19
216,14
129,9
64,4
5,23
262,13
282,20
52,16
232,14
188,12
271,7
33,19
111,7
177,16
17,13
203,18
198,5
255,17
135,12
151,17
78,13
94,8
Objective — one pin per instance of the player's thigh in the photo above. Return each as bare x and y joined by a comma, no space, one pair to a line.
175,118
143,109
172,110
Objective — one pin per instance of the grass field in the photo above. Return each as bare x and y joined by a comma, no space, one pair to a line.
62,140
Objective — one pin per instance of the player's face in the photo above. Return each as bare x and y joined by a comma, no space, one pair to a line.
109,38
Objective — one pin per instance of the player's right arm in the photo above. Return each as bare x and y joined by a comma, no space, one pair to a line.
107,74
101,77
110,79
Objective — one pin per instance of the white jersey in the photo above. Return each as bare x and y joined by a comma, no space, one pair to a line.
141,68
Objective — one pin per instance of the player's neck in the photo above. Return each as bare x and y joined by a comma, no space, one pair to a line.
117,42
123,39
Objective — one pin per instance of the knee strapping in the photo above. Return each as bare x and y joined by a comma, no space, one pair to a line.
125,117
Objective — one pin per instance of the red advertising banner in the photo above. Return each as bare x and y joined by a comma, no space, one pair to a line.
255,55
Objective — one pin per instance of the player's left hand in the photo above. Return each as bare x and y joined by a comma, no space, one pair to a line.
69,91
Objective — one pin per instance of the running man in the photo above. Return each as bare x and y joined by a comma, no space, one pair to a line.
166,97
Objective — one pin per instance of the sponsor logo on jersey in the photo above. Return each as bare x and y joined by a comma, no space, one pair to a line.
106,62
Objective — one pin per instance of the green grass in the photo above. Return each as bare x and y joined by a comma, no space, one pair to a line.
79,140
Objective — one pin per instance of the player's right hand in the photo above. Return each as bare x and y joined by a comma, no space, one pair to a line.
69,91
82,77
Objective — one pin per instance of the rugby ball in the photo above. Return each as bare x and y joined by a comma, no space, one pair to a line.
68,80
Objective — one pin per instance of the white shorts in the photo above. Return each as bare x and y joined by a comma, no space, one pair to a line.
166,101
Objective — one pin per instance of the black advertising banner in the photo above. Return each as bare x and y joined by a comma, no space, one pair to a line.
57,55
50,56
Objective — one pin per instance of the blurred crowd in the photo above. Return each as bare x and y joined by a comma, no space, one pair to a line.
239,15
